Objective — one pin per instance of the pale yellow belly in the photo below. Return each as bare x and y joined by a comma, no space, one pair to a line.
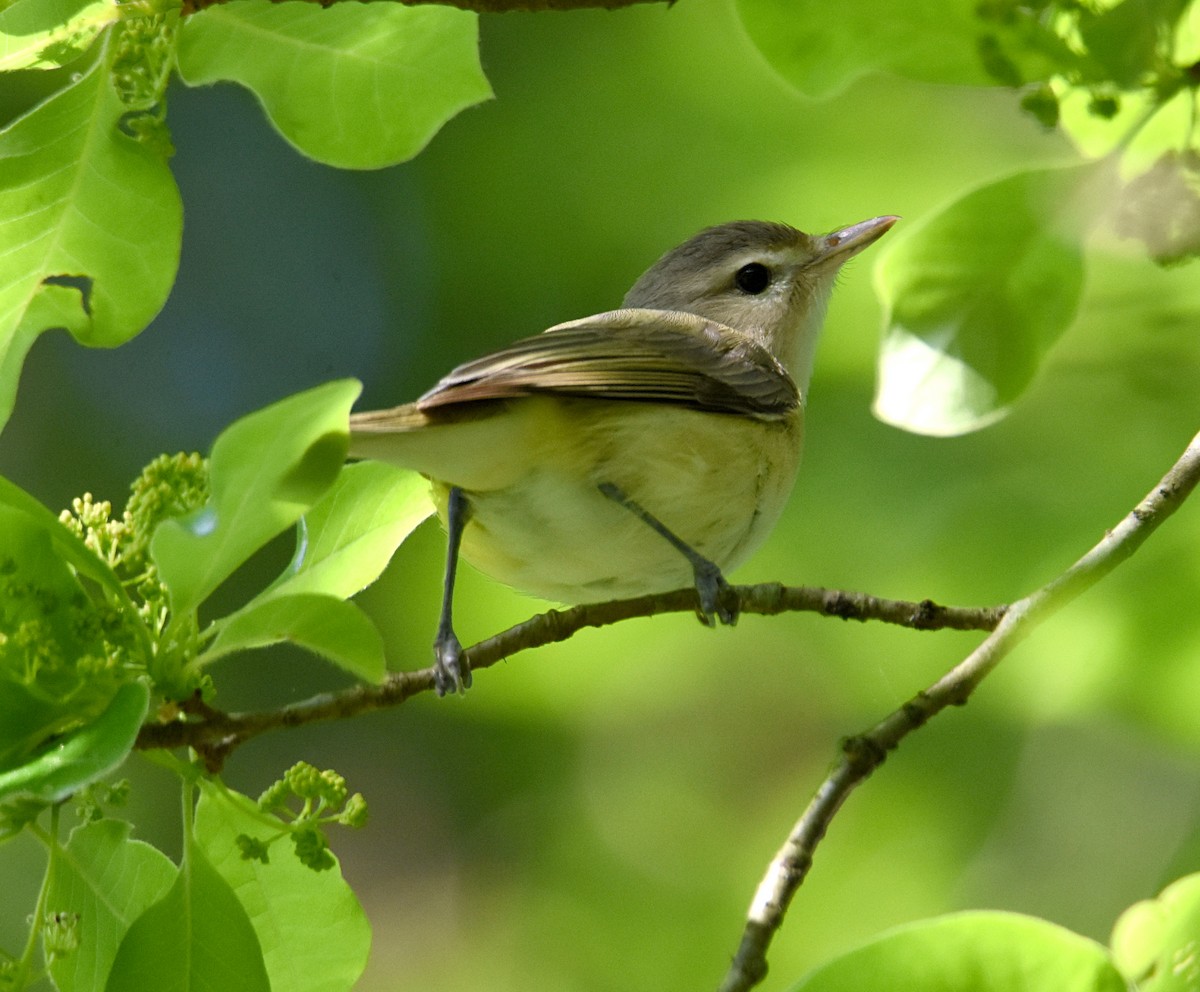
719,482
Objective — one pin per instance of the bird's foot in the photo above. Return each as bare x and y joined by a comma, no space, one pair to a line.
451,670
717,597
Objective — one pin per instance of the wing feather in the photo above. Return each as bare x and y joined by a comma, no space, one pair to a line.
653,356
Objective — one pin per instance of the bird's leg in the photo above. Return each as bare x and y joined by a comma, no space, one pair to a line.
451,671
716,595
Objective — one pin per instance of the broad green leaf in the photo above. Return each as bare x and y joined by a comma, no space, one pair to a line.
976,295
980,951
197,938
90,220
346,540
326,625
266,470
108,880
84,755
820,48
45,34
314,934
1156,943
360,86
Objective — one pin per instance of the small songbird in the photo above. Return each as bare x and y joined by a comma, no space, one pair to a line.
638,450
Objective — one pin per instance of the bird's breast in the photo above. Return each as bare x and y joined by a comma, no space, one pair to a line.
717,481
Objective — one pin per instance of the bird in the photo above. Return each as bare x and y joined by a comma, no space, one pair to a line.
634,451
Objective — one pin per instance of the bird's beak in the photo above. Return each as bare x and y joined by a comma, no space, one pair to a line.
840,246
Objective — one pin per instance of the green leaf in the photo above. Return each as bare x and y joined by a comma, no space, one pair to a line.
976,295
1156,943
30,719
90,220
45,34
197,938
1129,41
326,625
266,470
360,86
980,951
52,674
108,880
346,540
820,48
89,753
314,934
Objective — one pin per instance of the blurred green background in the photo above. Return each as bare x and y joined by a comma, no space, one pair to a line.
596,815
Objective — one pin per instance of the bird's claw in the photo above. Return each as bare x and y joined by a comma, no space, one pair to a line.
717,597
451,671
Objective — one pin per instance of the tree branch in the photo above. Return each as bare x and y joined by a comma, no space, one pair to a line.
861,755
214,735
479,6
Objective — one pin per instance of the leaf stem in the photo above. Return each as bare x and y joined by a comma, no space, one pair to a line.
23,979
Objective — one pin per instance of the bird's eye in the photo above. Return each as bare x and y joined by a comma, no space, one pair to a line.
752,278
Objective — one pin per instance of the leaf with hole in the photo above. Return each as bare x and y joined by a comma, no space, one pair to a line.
91,223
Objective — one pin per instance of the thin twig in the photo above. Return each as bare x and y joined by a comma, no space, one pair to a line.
480,6
862,754
215,734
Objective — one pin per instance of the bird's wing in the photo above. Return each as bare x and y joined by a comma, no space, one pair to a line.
653,356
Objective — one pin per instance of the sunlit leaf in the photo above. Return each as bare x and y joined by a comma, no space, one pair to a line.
346,540
343,543
45,34
980,951
976,295
90,220
1142,138
314,934
1156,943
331,627
359,86
266,470
107,880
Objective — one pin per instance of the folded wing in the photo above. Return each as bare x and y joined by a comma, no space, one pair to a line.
652,356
